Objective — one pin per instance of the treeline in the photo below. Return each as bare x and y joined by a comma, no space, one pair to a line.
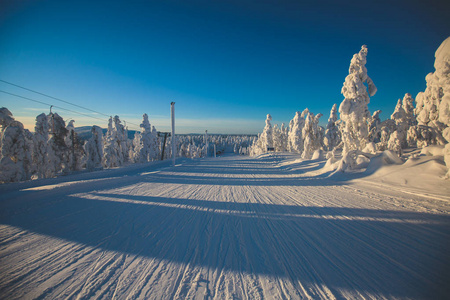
54,148
356,133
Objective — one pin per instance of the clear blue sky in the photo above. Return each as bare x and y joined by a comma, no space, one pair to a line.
226,64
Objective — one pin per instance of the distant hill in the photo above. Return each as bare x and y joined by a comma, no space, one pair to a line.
84,132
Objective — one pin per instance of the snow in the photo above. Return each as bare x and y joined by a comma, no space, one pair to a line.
268,227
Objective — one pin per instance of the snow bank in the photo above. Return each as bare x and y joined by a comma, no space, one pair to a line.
433,151
387,157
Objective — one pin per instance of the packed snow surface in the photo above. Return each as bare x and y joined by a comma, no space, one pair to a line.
271,227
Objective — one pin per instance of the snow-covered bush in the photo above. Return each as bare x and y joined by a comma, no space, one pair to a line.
354,112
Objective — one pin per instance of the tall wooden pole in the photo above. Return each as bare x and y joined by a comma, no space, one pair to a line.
174,146
206,142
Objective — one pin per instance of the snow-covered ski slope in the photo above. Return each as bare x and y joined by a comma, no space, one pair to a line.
227,228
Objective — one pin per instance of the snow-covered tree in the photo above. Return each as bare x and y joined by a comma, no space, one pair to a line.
332,138
94,149
295,131
267,134
374,127
59,159
115,144
154,145
397,140
442,75
311,135
111,155
433,102
76,156
354,111
408,107
145,143
15,149
41,149
265,139
277,138
284,137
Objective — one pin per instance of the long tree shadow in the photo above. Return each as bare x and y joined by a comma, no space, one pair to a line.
389,253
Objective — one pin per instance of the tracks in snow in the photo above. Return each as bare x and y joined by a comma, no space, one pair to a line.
229,228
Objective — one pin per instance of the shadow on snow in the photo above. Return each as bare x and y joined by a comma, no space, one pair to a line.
397,253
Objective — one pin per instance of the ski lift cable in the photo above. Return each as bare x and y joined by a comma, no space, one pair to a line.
59,99
47,104
54,98
59,107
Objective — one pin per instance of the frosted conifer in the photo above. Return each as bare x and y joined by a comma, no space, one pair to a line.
41,149
354,112
15,149
332,138
58,161
94,149
295,131
267,134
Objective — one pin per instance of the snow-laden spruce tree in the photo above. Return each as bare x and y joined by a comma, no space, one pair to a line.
58,161
94,149
155,153
408,107
295,131
311,135
76,156
374,127
284,137
277,142
432,107
397,140
16,144
115,144
110,150
267,134
42,152
354,111
442,76
332,137
265,139
145,146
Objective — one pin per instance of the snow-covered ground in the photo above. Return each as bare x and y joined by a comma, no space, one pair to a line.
272,227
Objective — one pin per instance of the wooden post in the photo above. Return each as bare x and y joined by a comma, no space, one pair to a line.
174,146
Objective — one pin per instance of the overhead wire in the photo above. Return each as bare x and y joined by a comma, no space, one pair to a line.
54,98
58,99
47,104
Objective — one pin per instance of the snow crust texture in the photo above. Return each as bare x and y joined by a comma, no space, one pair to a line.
229,228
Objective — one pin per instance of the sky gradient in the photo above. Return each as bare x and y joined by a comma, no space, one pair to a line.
226,64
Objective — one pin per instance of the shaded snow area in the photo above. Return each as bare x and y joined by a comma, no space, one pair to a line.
270,227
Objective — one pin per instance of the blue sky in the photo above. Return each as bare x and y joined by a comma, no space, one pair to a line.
226,64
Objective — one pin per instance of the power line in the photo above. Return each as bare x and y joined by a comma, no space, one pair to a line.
47,104
58,99
54,98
